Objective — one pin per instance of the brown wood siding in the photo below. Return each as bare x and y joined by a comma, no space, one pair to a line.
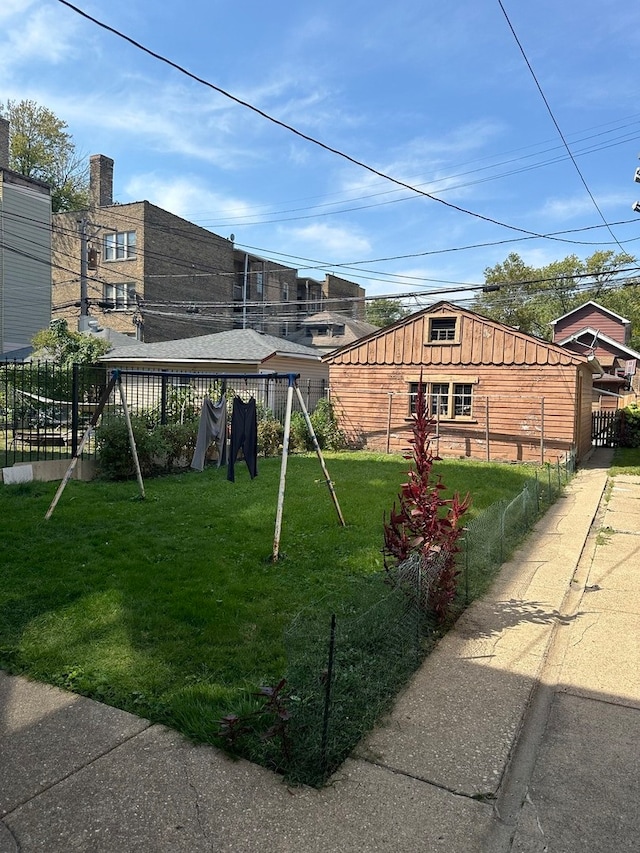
528,387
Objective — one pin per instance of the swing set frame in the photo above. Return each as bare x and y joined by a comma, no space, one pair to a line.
292,386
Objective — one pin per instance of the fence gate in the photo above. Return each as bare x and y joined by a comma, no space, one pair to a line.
606,428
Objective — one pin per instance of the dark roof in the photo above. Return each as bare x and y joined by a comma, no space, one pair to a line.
21,354
236,345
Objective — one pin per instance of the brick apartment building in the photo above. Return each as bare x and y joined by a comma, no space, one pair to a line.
145,272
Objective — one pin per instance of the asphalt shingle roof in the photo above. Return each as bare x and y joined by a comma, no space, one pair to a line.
241,345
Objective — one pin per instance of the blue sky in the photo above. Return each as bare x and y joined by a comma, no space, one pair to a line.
435,95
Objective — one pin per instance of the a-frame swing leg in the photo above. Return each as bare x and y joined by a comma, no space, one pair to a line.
316,446
85,438
132,441
283,474
115,378
283,466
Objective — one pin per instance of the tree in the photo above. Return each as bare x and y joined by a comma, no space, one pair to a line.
40,147
65,347
384,312
530,298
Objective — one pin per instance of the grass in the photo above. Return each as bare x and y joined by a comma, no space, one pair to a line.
170,606
626,460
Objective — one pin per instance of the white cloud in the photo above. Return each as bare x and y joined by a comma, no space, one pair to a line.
38,34
566,209
185,197
329,241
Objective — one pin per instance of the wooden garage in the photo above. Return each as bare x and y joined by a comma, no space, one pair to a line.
494,392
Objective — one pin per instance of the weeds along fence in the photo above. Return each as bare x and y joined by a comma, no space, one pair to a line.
345,664
45,408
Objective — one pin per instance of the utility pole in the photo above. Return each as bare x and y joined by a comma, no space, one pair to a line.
84,300
88,259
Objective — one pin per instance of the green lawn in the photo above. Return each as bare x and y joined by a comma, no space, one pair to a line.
170,606
626,460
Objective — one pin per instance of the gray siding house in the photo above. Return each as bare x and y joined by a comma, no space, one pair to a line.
25,254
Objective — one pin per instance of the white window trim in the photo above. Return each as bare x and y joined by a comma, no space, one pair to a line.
128,301
111,248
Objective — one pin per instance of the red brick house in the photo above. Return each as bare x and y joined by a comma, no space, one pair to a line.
602,335
494,392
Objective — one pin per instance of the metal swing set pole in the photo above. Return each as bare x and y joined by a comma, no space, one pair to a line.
285,455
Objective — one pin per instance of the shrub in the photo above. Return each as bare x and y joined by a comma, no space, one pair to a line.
630,430
270,436
179,441
422,534
299,437
115,460
325,426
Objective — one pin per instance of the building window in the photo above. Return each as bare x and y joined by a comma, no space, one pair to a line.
447,400
442,329
120,246
120,297
259,283
285,292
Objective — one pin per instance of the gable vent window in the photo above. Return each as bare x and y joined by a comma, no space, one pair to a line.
442,329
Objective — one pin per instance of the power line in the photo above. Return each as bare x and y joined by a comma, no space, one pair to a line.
292,129
555,122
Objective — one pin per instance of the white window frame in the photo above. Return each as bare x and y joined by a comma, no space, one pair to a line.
120,246
122,295
447,399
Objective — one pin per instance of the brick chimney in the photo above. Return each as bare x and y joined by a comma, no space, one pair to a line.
4,143
100,180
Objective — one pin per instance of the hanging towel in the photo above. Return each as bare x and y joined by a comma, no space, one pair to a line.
244,436
212,427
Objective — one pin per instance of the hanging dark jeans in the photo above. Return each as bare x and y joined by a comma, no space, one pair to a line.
244,436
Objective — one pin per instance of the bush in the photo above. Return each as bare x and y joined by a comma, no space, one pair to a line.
115,460
179,441
270,437
299,436
325,426
421,536
630,431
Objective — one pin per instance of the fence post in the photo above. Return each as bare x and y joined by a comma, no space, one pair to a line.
390,394
466,566
486,430
327,695
163,398
75,399
542,430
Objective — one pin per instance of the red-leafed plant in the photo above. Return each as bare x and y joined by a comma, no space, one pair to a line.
421,536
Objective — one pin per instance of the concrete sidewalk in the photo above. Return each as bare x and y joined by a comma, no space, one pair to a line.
521,732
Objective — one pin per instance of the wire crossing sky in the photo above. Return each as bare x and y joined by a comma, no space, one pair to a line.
400,147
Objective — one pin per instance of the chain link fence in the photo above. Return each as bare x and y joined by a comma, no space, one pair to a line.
346,663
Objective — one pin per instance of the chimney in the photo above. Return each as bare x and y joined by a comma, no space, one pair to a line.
4,143
100,180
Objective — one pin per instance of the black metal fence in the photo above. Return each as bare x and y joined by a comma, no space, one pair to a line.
606,428
45,408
